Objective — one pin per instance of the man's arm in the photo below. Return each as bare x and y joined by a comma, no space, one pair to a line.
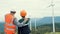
19,24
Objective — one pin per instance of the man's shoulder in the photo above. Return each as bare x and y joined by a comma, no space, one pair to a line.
21,20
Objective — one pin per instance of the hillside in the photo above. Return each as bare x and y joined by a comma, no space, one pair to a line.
46,28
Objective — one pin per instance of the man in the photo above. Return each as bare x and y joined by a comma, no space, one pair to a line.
24,29
11,22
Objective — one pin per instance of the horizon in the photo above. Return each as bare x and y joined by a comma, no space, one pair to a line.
38,18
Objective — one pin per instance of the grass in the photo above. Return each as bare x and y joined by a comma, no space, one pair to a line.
52,33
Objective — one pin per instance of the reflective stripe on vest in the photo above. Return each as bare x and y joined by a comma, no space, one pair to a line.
10,29
10,26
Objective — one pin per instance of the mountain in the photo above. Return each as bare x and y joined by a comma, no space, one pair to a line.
45,20
1,26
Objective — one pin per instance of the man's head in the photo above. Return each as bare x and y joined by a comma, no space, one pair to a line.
13,12
23,13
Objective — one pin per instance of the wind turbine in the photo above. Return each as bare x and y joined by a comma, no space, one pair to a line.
30,25
52,5
35,25
30,22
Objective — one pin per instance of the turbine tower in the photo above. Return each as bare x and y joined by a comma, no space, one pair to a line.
30,22
30,25
52,5
35,25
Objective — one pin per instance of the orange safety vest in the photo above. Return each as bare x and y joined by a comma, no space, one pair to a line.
9,28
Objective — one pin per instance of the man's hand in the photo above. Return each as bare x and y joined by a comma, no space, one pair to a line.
25,20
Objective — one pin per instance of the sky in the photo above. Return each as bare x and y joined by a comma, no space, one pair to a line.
34,8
